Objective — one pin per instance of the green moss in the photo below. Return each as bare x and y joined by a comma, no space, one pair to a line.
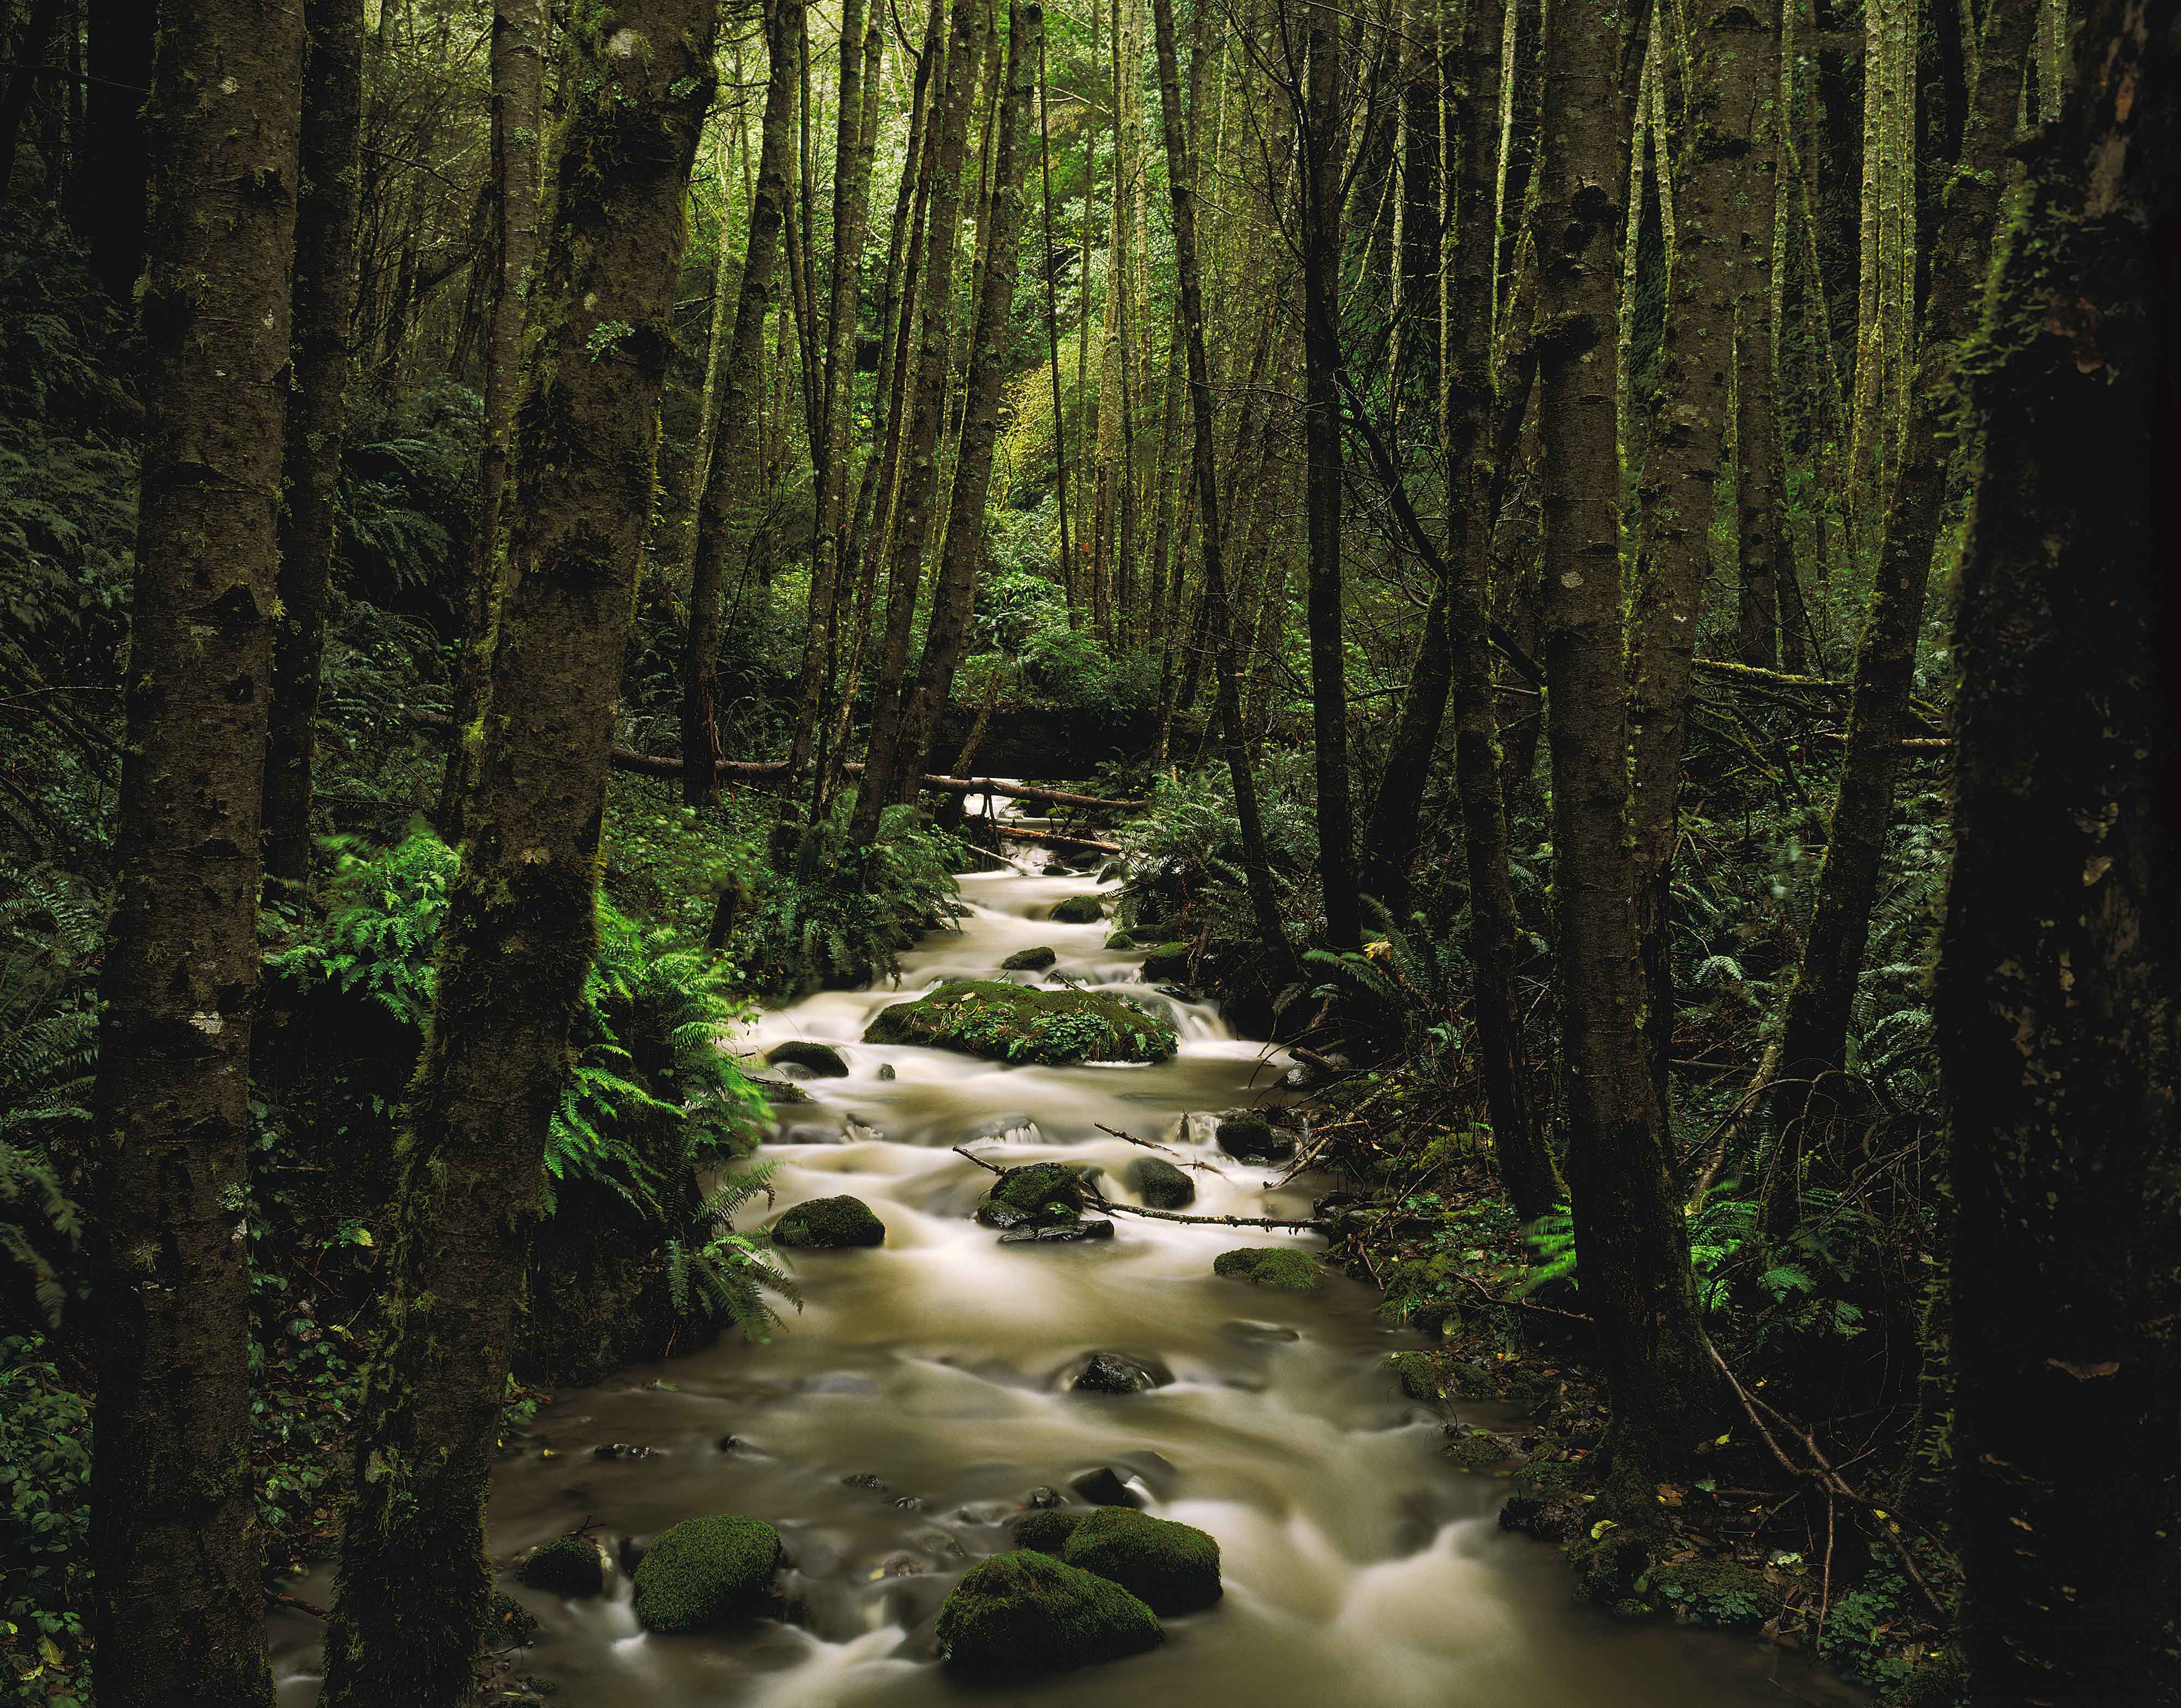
1030,960
1422,1376
1026,1612
1167,962
1014,1023
1120,939
508,1624
1042,1192
1047,1531
704,1571
566,1566
1078,909
1270,1266
1471,1448
1172,1568
829,1224
820,1059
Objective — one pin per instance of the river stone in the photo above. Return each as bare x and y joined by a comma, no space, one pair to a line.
1026,1612
1248,1137
1004,1021
1038,1193
1030,960
1166,964
1160,1184
1104,1487
1172,1568
781,1091
1120,939
1061,1233
566,1566
821,1060
1046,1531
886,1070
704,1571
829,1224
1117,1373
1078,909
1270,1266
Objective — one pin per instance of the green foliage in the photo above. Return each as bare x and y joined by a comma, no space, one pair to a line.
1184,852
728,1276
45,1528
49,933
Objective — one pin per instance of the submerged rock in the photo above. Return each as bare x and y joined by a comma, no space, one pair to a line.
1160,1184
1172,1568
821,1060
1248,1137
1078,909
1027,1612
1104,1487
1117,1373
1061,1233
1030,960
781,1091
704,1571
566,1566
1270,1266
829,1224
886,1070
1002,1022
1040,1194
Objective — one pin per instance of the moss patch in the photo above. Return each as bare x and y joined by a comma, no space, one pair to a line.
1422,1376
1160,1184
1268,1266
566,1566
1047,1531
821,1059
1030,960
1014,1023
829,1224
703,1571
1078,909
1172,1568
1039,1194
1026,1612
1167,962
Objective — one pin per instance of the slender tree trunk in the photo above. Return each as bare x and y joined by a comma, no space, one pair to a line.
115,172
727,482
1628,1224
518,89
521,921
1052,319
1766,566
1181,184
2059,999
717,338
1813,1044
179,1613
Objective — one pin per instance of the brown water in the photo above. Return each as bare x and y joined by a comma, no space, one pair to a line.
1360,1566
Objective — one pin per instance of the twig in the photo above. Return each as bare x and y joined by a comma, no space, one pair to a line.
979,1160
297,1602
1491,1297
1146,1143
1313,1226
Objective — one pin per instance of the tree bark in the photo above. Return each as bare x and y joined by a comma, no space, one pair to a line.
2059,999
727,482
518,96
1766,566
521,923
178,1614
120,35
1813,1044
1628,1226
322,307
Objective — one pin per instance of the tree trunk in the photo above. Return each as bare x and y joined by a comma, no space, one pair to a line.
521,923
1181,184
114,174
1766,564
324,306
518,92
727,482
1628,1225
1813,1045
2058,1022
179,1613
1052,318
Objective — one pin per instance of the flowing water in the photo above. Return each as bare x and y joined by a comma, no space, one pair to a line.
1360,1566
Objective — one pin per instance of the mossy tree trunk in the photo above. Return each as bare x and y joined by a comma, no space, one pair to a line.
521,924
1813,1044
2059,999
729,477
323,305
179,1614
1628,1225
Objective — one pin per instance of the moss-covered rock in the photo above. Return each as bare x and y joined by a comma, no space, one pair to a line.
1423,1376
1047,1531
1268,1266
1172,1568
1002,1022
1039,1194
820,1060
1248,1137
508,1624
1117,1373
1030,960
829,1224
703,1571
1471,1448
1120,939
566,1566
1549,1499
1160,1184
782,1091
1027,1612
1078,909
1168,963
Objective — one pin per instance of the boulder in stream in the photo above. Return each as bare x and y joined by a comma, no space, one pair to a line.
1172,1568
1268,1266
829,1224
1047,1531
704,1572
1027,1612
1246,1136
1104,1487
566,1566
1040,1194
1160,1184
1117,1373
1030,960
1009,1022
1061,1233
1120,939
781,1091
1078,909
1166,964
820,1060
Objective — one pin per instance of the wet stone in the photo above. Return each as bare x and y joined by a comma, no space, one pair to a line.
864,1480
1030,960
886,1070
1117,1373
1160,1184
820,1060
1061,1233
1104,1487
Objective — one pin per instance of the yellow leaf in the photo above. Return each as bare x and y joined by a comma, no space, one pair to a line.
1601,1527
363,1237
49,1651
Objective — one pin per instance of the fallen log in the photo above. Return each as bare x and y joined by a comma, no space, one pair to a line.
664,765
1053,839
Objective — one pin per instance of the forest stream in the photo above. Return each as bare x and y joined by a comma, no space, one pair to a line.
1360,1566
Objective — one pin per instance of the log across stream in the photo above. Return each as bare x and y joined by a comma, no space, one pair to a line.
912,1406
